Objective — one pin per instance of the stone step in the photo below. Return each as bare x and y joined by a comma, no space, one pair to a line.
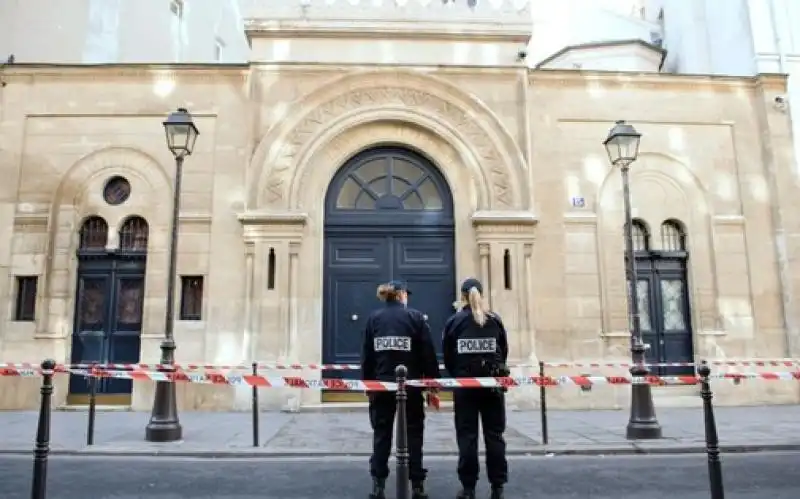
677,396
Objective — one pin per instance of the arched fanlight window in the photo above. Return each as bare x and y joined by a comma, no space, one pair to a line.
641,235
133,234
673,237
93,234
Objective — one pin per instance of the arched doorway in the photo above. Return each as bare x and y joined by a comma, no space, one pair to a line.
388,215
108,306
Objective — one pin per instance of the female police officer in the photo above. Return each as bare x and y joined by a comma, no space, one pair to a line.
474,344
394,335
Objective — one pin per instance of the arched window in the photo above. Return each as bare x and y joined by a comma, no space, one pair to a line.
673,237
93,234
133,234
388,186
389,182
641,235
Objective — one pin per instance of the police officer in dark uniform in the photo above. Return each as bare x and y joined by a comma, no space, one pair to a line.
395,335
475,345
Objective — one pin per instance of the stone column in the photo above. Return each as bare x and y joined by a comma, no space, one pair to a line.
529,344
485,254
283,233
294,276
496,232
249,342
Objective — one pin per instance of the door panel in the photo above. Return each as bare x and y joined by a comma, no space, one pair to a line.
668,328
353,300
649,335
124,336
91,322
427,264
354,269
677,336
108,322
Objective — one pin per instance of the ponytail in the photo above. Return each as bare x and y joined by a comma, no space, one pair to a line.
476,303
387,292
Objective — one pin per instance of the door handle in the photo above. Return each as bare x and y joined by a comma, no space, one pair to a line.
354,317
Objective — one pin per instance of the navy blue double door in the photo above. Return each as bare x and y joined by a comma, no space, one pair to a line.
108,320
356,265
389,215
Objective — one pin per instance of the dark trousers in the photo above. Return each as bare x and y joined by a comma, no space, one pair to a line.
382,407
470,405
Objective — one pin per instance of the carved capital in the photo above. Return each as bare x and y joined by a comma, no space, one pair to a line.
527,250
504,225
260,225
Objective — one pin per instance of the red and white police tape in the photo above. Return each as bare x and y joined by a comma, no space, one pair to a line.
268,366
238,379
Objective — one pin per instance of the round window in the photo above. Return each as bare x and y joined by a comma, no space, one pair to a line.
117,190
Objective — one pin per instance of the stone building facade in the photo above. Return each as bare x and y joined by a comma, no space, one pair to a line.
313,182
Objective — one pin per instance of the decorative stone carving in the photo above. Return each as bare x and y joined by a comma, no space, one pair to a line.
318,119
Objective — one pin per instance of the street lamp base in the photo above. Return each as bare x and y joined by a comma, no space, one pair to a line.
164,425
642,424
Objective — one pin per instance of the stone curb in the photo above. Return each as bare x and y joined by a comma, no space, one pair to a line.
597,450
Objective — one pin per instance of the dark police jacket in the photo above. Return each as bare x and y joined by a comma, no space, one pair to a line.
397,335
471,350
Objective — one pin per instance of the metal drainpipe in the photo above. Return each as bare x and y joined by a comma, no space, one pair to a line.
779,233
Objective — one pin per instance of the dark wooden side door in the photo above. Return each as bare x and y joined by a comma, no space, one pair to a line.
664,302
108,322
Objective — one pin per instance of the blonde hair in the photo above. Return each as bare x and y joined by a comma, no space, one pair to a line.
386,292
478,306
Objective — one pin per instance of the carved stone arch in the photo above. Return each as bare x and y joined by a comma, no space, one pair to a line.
123,160
674,171
78,195
368,129
279,153
662,188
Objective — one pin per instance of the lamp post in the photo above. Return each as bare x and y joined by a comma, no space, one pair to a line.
164,425
622,146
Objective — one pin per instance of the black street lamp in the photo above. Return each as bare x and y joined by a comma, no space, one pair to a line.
164,425
622,146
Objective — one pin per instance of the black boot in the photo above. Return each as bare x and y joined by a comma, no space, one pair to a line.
418,490
378,488
497,492
466,493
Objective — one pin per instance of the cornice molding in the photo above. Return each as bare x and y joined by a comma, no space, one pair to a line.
404,30
482,218
611,79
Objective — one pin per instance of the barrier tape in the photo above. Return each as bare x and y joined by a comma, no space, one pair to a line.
585,381
239,379
235,379
355,367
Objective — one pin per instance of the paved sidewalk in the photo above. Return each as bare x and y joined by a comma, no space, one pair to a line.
214,434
